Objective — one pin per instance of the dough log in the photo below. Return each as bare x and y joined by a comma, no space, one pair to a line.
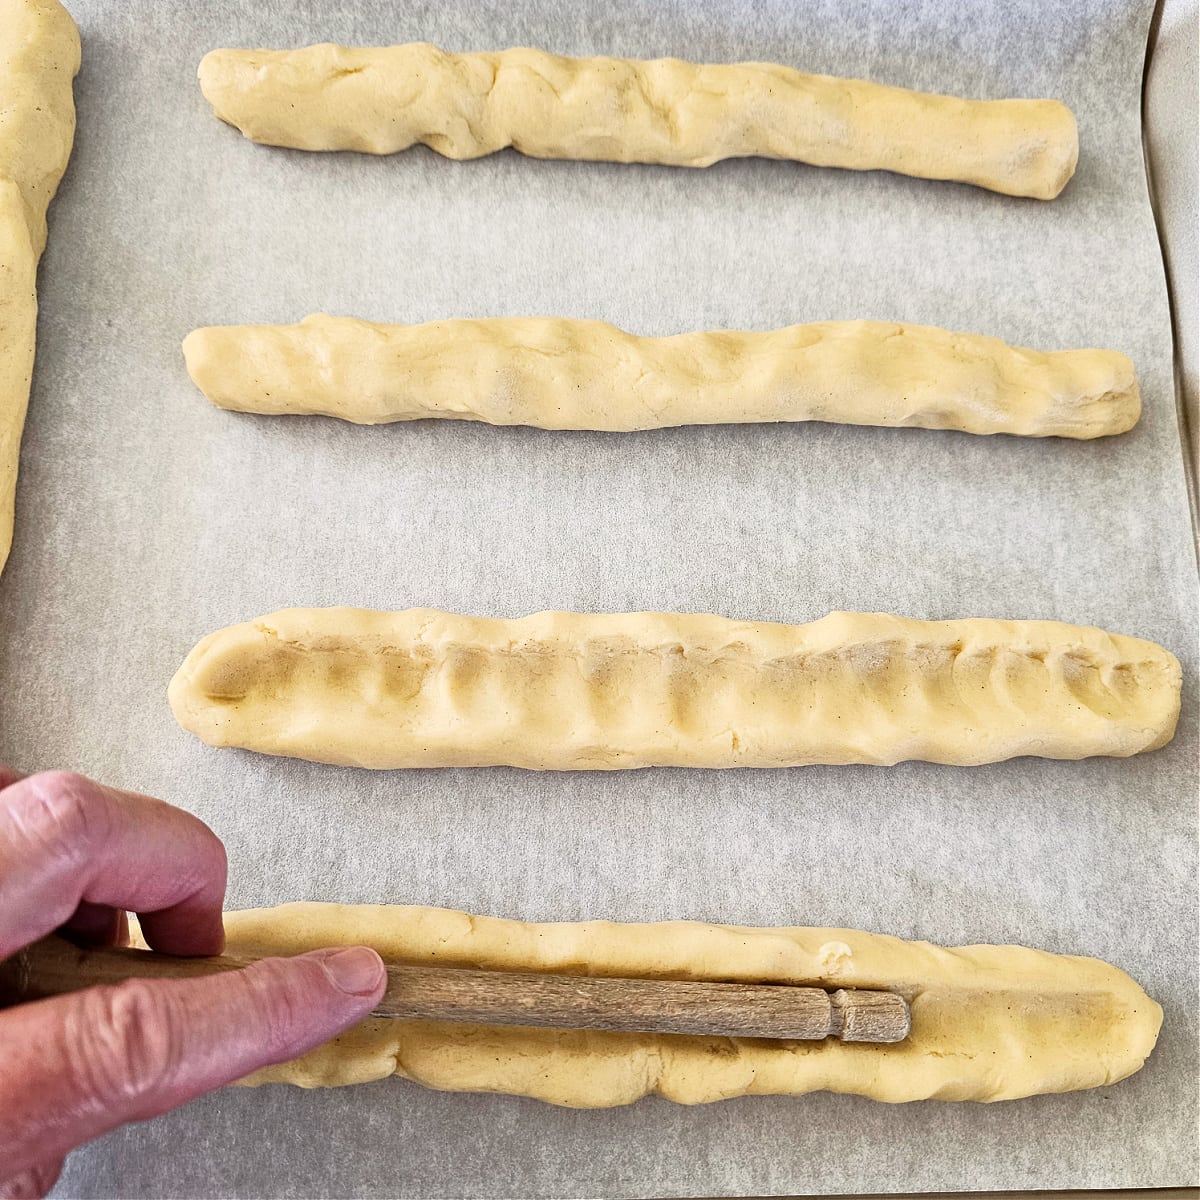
386,99
39,57
565,374
18,332
989,1022
566,691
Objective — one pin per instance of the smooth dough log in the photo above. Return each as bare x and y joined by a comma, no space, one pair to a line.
988,1022
382,100
39,57
567,374
567,691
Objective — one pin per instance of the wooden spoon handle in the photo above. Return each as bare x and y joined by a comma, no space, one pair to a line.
643,1005
54,966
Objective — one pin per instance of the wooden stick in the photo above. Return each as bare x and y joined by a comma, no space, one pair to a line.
54,966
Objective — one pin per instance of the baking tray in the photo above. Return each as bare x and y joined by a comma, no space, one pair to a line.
147,518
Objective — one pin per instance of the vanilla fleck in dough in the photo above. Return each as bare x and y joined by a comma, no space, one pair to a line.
386,99
566,374
988,1022
39,57
568,691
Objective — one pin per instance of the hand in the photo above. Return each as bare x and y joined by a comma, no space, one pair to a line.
75,855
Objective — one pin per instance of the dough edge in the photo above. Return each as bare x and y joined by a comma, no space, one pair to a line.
18,335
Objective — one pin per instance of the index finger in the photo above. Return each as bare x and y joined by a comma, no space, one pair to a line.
65,839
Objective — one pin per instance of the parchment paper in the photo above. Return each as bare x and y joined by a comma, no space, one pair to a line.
148,518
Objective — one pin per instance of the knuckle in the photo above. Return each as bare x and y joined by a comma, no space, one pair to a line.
218,867
123,1045
276,996
31,1184
63,814
67,782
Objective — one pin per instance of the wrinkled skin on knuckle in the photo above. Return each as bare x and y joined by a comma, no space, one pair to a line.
123,1047
212,864
280,1007
35,1182
62,815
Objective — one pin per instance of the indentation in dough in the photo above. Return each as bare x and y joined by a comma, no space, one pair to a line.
571,691
833,959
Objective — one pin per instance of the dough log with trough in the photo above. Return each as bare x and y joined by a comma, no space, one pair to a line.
572,691
988,1022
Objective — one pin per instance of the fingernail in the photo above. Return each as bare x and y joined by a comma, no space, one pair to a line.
357,971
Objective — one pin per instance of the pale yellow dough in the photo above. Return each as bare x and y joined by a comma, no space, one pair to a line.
39,57
381,100
18,330
565,374
568,691
988,1022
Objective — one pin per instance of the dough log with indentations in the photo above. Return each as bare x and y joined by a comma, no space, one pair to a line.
569,691
385,99
39,57
567,374
988,1022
